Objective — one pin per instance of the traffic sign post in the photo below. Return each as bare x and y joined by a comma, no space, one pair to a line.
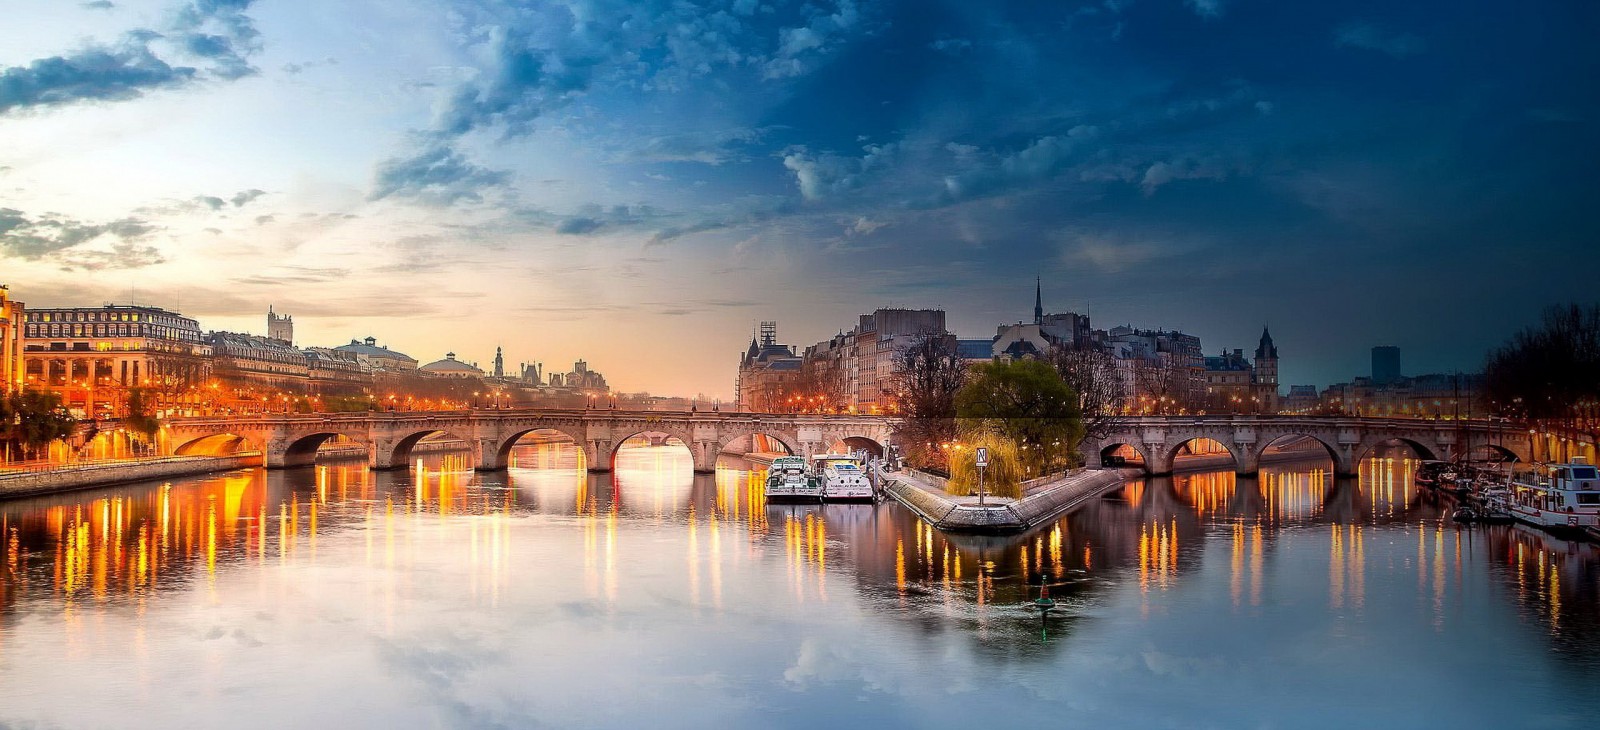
983,461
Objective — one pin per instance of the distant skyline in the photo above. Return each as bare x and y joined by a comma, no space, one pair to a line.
638,184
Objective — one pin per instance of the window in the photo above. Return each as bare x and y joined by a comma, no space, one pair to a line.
1588,497
1586,472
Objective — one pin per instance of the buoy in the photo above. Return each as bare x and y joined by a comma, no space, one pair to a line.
1043,602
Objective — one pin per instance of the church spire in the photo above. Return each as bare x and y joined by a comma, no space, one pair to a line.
1038,300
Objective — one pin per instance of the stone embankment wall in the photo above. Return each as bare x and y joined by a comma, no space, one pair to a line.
1046,502
68,478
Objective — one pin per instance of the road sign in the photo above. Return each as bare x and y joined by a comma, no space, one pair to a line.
983,456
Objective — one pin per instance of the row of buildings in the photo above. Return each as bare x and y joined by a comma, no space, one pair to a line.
93,356
1159,370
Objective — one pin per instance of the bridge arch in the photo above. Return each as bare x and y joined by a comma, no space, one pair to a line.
500,457
301,450
853,443
1239,461
216,444
1109,456
727,441
1423,451
1278,439
399,455
696,451
1493,452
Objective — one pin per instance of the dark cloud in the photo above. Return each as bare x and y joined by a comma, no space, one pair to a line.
221,32
92,74
578,226
437,175
217,32
98,5
70,242
245,196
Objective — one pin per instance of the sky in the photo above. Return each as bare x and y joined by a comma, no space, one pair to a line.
639,183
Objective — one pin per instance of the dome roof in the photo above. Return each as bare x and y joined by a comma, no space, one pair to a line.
450,365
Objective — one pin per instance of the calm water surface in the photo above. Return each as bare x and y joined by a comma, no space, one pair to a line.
652,597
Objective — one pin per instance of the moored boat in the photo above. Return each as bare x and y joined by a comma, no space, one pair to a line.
843,478
1557,497
788,480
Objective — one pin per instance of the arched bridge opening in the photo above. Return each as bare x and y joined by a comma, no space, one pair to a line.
759,445
542,448
218,444
1202,454
431,442
1296,447
308,449
1122,455
654,451
853,444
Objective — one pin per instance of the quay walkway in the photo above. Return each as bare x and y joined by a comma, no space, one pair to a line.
1043,499
69,477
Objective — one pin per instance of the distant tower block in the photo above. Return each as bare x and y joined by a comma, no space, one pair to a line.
280,326
769,333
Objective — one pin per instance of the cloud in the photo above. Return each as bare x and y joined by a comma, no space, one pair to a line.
220,31
216,31
951,46
245,196
1163,172
437,175
1376,38
92,74
70,242
798,47
578,226
1207,9
294,275
98,5
825,175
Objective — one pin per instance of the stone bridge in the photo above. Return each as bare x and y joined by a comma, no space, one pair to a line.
286,440
1347,440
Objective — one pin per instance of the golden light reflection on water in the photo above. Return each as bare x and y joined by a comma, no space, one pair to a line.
79,551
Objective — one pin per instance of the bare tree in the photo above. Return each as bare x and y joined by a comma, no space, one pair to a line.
1092,373
928,372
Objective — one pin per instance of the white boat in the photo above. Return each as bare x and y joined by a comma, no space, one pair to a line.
1557,496
789,480
843,478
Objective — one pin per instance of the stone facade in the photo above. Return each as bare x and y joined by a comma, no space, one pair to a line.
92,355
12,315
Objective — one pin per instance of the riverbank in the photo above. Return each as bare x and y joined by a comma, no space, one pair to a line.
69,478
1044,500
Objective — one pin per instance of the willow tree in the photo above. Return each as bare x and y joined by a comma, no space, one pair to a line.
1027,402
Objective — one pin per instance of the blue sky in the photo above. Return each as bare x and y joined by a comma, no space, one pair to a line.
622,181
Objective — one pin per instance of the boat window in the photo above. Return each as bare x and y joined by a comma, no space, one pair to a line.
1588,497
1584,473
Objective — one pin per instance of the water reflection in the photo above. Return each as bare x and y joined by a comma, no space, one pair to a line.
703,596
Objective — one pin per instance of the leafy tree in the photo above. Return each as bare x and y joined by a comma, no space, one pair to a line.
31,419
139,413
1550,372
928,373
1027,402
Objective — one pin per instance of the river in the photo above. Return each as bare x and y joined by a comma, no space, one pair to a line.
653,597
